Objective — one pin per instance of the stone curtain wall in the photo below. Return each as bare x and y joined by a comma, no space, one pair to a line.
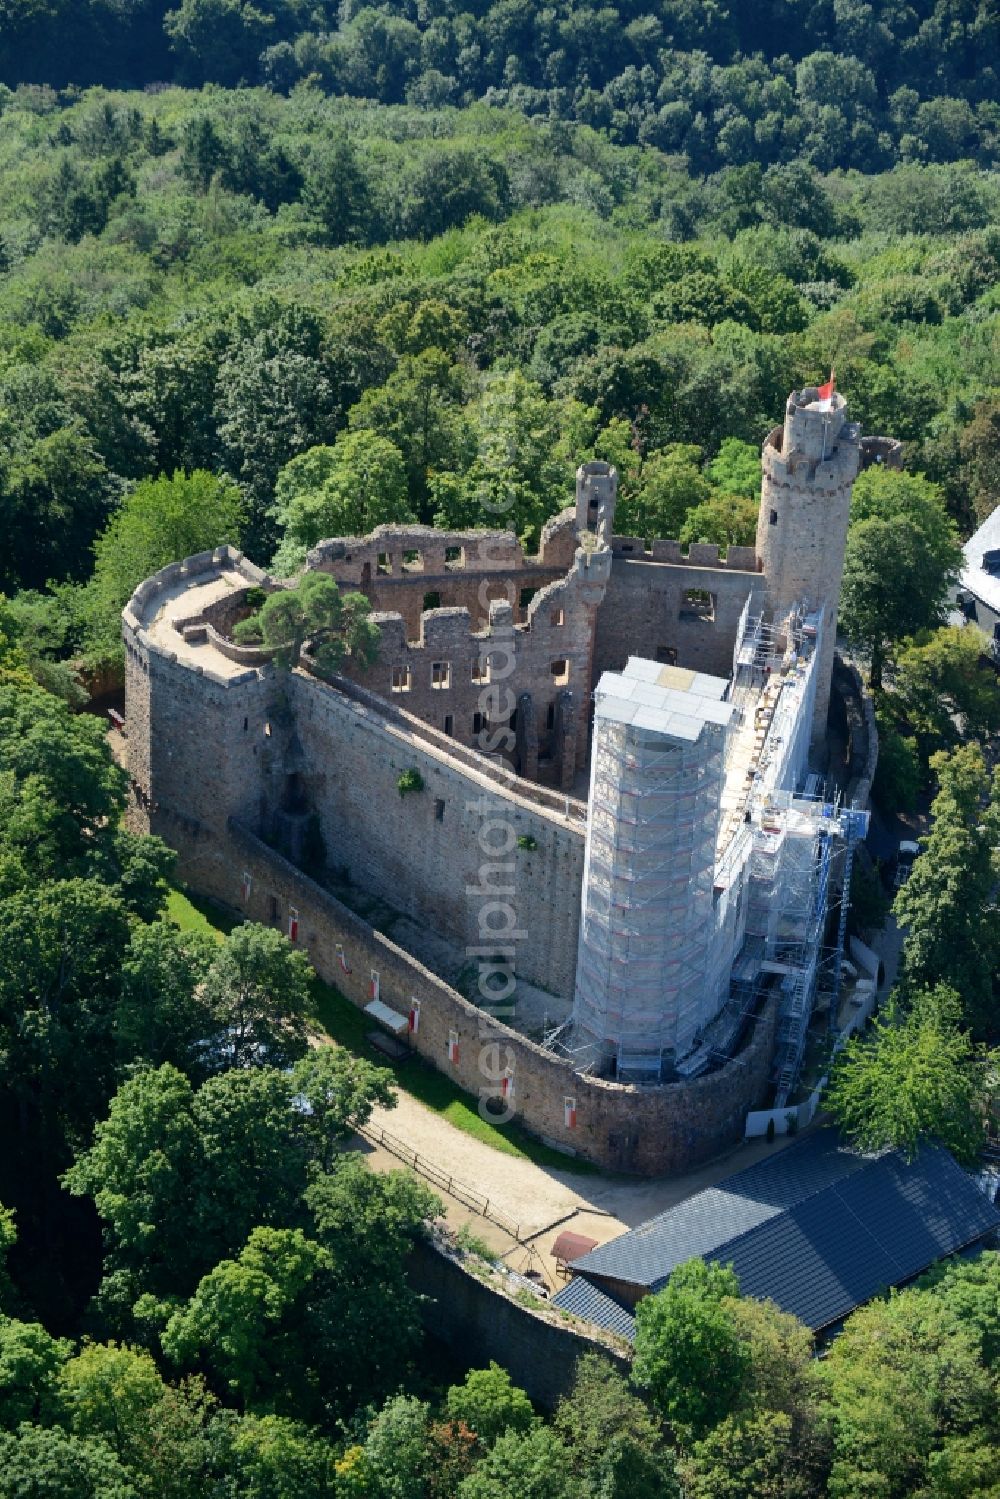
644,1130
480,1322
644,611
197,740
421,852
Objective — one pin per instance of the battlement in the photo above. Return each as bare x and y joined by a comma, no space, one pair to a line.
814,446
885,452
698,554
182,616
401,552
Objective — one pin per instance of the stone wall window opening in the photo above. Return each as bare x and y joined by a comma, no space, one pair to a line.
246,724
267,731
413,561
454,556
384,563
525,597
481,669
438,810
293,924
667,654
550,717
772,519
557,619
274,910
449,725
512,720
440,675
432,600
478,723
697,603
560,671
402,679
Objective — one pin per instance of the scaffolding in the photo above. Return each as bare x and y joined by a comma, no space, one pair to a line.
646,965
708,871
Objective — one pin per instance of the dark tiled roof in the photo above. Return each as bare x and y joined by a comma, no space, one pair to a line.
584,1299
815,1228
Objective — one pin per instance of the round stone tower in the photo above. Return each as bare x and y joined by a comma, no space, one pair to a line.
809,466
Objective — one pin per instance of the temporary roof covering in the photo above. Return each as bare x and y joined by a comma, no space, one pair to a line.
391,1018
569,1246
815,1227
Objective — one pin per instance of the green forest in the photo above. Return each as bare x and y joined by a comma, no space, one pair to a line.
279,270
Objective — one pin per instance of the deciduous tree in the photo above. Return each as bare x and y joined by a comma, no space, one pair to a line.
688,1352
916,1079
337,625
947,905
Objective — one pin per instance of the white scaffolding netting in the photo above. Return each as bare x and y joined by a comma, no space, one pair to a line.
706,874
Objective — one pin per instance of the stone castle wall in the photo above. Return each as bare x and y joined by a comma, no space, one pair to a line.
471,683
423,852
649,609
400,567
647,1130
476,1315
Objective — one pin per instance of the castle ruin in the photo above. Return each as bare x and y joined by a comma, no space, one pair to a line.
617,732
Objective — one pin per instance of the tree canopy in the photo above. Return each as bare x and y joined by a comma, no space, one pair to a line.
916,1079
336,625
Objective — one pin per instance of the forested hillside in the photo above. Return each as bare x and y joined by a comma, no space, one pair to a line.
443,302
838,83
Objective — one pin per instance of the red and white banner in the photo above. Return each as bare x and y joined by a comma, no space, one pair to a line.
825,394
293,924
453,1047
414,1015
341,959
373,985
569,1112
507,1088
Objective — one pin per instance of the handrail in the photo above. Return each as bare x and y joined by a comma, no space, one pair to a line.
376,1135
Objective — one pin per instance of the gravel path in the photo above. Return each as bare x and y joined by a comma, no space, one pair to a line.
541,1199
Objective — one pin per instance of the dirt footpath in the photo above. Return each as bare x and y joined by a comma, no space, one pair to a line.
542,1201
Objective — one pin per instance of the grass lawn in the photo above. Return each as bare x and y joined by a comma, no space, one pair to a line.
344,1023
193,913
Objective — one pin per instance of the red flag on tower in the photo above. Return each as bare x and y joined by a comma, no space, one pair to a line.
824,393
